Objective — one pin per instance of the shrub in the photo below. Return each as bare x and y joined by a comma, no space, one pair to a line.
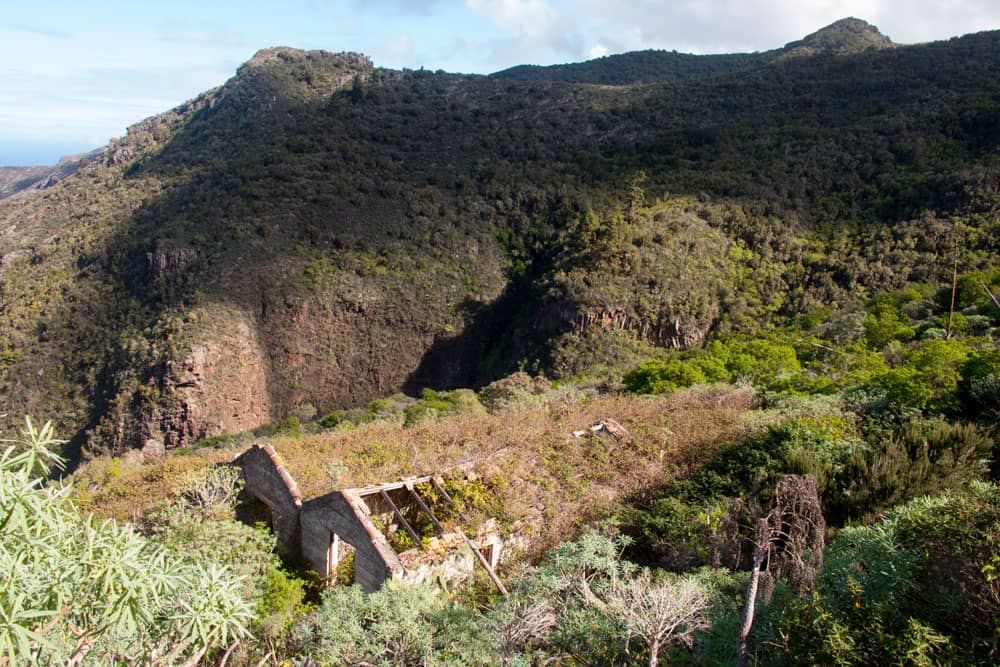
519,391
290,426
981,364
281,603
912,586
923,457
399,624
929,377
80,591
885,324
767,362
978,324
433,404
985,393
658,376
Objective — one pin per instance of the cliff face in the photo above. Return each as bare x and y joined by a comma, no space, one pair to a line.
221,385
672,334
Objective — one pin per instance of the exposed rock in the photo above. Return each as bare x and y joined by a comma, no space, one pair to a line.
220,386
119,156
153,448
843,37
167,262
672,333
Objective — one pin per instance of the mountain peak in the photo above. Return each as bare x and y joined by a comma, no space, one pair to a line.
843,37
277,76
286,56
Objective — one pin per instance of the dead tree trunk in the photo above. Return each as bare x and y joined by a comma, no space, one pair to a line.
751,602
790,538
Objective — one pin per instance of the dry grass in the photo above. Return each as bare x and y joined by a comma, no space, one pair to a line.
544,476
127,492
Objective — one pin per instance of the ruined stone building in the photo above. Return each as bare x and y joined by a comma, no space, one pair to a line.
348,534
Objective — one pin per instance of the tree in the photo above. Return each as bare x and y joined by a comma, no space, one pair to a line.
657,612
790,540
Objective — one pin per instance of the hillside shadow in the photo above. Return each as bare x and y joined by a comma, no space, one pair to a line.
496,339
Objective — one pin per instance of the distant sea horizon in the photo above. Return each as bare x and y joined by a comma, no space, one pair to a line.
32,153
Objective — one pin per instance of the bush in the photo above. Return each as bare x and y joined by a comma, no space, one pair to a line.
929,377
924,457
433,404
290,426
399,624
911,589
885,324
768,363
658,376
985,393
519,391
80,591
281,604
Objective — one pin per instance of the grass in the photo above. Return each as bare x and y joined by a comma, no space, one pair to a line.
539,472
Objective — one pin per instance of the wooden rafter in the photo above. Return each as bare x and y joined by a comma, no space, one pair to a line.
402,520
475,550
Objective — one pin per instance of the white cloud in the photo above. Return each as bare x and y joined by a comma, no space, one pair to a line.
597,50
531,19
408,7
719,26
399,46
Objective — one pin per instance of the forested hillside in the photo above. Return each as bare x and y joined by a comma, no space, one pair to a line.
348,231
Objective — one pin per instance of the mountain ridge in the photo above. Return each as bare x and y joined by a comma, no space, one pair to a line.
351,231
847,36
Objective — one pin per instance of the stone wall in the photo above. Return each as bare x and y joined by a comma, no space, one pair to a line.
344,514
307,529
268,481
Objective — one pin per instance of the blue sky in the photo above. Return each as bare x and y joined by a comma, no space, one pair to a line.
75,74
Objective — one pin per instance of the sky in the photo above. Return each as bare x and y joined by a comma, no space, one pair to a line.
75,74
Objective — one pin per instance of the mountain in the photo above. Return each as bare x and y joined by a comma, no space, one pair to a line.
844,37
647,66
19,179
319,231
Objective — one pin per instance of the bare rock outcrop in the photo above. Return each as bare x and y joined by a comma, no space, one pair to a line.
220,386
668,333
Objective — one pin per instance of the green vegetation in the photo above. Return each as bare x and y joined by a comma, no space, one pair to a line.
78,590
370,231
715,325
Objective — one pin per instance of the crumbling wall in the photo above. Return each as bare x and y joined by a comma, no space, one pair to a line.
457,565
346,515
268,481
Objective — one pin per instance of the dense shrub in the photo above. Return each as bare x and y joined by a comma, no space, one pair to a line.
434,404
400,624
925,456
913,588
518,391
659,376
928,378
80,591
765,362
885,324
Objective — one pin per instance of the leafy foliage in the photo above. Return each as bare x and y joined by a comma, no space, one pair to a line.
87,591
912,587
